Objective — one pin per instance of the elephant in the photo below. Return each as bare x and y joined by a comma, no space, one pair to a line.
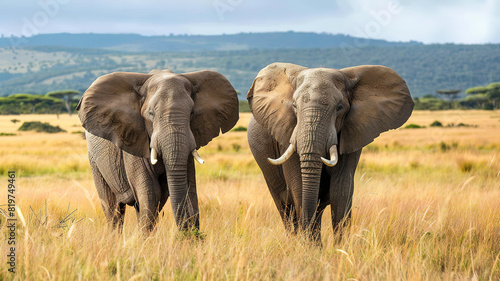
143,132
316,121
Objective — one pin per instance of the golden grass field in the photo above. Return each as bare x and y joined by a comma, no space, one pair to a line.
426,207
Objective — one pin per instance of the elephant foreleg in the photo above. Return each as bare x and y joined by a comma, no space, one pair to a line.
192,197
342,189
164,191
263,146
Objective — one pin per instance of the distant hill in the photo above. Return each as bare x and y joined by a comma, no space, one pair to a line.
191,43
73,61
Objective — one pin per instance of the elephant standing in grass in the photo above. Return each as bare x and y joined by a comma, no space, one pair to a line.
143,132
316,121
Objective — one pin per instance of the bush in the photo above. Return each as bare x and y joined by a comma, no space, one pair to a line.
436,124
7,134
240,129
444,146
413,126
236,147
465,165
40,127
466,125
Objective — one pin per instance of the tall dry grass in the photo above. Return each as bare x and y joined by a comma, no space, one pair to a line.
425,208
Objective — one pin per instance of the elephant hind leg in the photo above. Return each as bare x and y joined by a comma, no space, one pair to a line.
114,213
118,216
113,210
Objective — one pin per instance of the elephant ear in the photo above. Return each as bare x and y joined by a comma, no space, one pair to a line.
270,99
111,109
216,105
380,101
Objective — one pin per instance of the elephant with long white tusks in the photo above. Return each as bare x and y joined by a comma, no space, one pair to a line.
307,131
143,132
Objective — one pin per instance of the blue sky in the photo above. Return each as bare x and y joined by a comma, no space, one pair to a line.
428,21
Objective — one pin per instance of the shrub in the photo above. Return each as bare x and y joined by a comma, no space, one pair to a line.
413,126
414,164
444,146
240,129
7,134
236,147
465,165
40,127
436,124
466,125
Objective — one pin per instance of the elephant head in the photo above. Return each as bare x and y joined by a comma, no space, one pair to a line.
161,115
321,113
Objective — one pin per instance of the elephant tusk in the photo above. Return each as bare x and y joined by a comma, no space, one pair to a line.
289,151
153,156
334,157
197,157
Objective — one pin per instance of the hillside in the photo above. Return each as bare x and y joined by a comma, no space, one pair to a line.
191,43
426,68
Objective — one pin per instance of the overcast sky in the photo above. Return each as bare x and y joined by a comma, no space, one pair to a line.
428,21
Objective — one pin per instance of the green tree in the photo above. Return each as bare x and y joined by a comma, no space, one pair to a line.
67,96
482,96
451,95
494,94
7,106
476,90
430,102
28,103
30,99
475,101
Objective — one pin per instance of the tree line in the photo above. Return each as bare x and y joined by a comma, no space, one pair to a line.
425,68
481,97
64,101
54,102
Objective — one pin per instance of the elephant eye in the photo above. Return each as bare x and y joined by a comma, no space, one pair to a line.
151,113
294,104
340,106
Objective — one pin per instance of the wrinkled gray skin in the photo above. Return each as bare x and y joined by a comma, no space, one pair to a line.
127,115
320,110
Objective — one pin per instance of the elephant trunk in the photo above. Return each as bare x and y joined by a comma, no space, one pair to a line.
312,144
177,155
310,166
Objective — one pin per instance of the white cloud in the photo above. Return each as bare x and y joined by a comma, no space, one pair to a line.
459,21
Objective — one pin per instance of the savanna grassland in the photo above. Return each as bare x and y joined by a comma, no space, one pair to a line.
426,207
